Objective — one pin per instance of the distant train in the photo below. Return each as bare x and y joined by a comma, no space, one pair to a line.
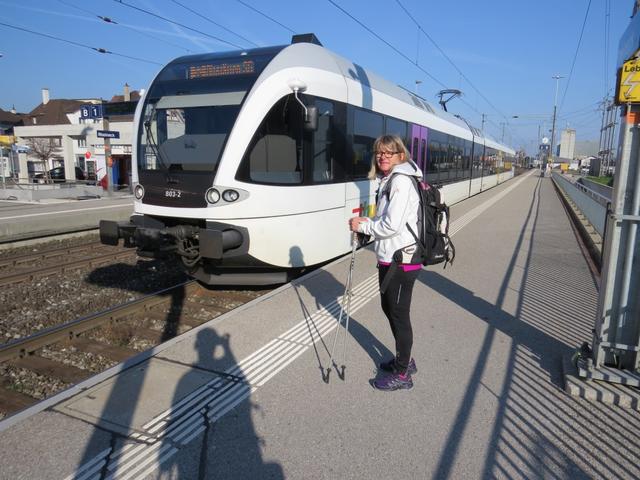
249,163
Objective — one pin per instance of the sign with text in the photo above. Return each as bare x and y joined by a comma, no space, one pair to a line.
91,111
629,83
108,134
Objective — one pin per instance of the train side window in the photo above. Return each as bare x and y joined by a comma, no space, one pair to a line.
275,155
490,159
324,168
466,162
436,155
367,126
414,149
393,126
478,153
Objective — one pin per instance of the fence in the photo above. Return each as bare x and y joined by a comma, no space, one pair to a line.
592,204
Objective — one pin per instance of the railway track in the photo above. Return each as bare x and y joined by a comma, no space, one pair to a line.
49,361
21,268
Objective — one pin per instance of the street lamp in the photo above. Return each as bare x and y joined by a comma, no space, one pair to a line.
555,102
418,82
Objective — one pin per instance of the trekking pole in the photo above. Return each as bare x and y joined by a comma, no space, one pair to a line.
346,300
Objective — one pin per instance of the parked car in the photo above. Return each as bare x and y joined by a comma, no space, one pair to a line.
57,175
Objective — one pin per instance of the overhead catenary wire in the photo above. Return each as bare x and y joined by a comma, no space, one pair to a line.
386,43
449,60
266,16
121,2
204,17
593,112
129,27
77,44
591,106
395,49
575,56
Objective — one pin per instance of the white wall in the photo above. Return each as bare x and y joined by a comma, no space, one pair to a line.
71,134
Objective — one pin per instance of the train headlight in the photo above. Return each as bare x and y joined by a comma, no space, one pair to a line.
212,195
138,191
230,195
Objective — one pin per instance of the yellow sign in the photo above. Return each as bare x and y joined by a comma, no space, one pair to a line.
629,82
7,140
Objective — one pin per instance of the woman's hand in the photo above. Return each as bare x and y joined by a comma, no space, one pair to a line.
355,222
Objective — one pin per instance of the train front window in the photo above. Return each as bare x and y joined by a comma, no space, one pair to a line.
179,135
275,155
191,107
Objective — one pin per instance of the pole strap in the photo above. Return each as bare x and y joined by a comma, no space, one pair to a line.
626,218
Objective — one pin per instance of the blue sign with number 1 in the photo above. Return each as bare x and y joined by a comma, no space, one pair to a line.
91,111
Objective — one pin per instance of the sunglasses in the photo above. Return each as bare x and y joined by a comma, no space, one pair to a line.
386,155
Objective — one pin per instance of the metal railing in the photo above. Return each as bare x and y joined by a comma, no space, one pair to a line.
592,204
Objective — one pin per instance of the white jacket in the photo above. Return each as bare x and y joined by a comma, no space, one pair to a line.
389,227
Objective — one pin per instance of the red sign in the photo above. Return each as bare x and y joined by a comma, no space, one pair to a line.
87,155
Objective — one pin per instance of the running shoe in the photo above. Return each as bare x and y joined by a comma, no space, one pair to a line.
390,366
394,381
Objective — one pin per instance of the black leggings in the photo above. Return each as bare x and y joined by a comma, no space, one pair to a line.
396,304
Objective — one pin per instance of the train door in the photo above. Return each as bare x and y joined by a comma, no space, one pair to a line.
418,148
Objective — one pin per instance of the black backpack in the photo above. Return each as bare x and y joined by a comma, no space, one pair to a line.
432,239
434,244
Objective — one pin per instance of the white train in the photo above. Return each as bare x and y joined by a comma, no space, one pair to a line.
248,164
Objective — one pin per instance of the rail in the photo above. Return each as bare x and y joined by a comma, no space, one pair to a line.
24,346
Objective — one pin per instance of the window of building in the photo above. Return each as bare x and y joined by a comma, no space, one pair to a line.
82,142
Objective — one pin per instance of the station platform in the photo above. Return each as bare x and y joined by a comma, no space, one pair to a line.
21,220
246,395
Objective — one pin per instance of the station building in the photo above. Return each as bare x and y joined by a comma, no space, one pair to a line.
58,128
8,160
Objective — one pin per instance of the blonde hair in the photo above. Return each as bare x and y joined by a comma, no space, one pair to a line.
393,143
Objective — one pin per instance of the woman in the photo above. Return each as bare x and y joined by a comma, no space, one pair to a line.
397,207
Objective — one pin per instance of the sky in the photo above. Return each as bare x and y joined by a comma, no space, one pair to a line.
502,54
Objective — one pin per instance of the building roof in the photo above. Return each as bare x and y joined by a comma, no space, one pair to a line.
54,112
11,118
135,96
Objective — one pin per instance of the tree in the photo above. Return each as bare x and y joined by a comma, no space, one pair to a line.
43,149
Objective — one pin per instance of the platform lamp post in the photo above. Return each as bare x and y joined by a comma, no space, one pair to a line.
553,127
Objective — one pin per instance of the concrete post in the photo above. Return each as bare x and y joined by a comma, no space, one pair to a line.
617,333
23,174
107,155
69,160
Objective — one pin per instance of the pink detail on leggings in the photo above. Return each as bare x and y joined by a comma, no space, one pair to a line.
406,267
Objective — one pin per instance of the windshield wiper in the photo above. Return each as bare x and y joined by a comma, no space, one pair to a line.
152,141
